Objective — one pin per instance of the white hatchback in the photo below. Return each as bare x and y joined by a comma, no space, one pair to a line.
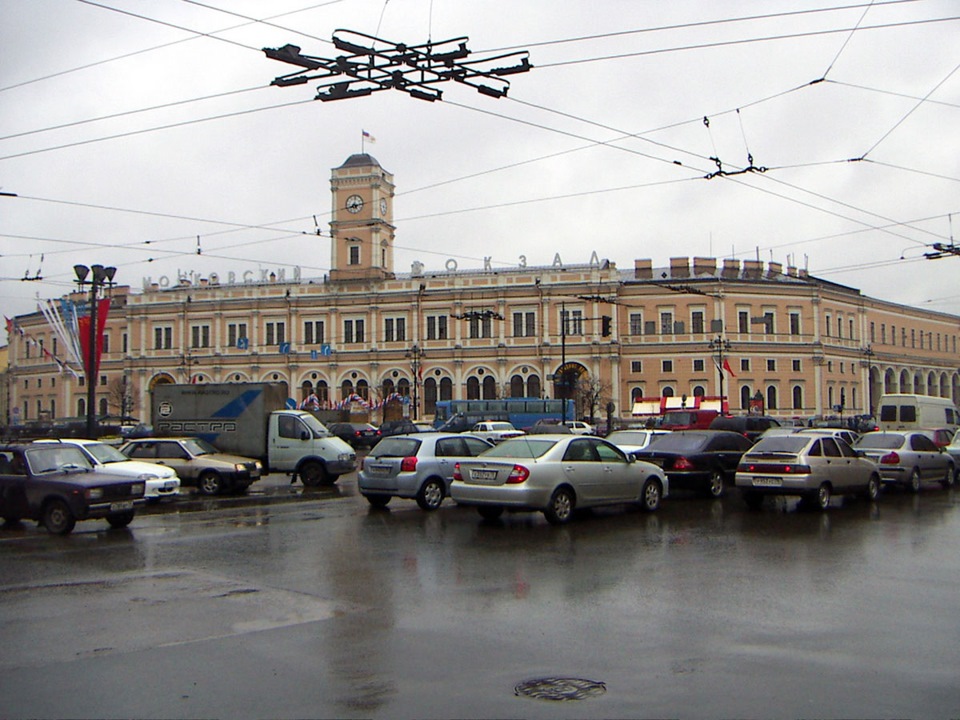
159,481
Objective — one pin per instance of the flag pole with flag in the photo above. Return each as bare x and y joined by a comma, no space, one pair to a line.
365,137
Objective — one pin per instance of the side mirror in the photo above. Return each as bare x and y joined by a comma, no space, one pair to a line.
304,435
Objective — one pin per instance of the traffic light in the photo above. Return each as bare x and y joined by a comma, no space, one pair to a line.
605,322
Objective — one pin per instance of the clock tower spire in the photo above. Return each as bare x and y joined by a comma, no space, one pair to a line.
362,231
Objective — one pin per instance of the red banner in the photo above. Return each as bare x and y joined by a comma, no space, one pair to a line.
83,330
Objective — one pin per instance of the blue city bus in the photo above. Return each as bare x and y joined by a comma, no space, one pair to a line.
520,412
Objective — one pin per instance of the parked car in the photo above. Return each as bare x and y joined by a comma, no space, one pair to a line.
406,426
701,460
632,440
197,462
750,426
415,466
56,485
688,419
941,436
356,435
848,436
496,431
813,465
953,449
134,432
548,426
781,430
556,474
908,458
422,427
579,427
159,482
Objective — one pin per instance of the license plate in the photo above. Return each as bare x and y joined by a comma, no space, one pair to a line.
379,469
483,475
121,506
767,482
169,485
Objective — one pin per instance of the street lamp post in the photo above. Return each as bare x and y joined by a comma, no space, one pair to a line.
719,346
869,355
102,276
415,354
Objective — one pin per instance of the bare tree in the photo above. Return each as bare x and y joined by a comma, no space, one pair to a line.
593,395
121,396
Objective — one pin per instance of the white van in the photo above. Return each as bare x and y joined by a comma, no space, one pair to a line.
903,411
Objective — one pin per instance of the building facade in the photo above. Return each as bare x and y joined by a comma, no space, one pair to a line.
764,337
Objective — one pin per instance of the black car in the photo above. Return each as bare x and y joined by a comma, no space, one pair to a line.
56,485
750,426
701,460
398,427
357,435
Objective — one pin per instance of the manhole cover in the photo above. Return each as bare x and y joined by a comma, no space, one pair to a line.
560,689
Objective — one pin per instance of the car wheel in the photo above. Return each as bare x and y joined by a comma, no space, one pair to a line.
715,488
120,520
57,518
314,474
650,495
378,501
949,478
754,500
560,509
873,488
210,483
914,484
821,498
490,512
431,494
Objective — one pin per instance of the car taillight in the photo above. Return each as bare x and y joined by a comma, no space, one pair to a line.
408,464
518,475
775,469
681,463
456,473
891,458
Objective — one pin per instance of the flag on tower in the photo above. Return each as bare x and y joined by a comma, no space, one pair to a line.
368,137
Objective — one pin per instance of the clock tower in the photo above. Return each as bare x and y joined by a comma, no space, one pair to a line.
361,230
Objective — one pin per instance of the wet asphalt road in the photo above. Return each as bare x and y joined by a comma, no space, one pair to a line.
299,604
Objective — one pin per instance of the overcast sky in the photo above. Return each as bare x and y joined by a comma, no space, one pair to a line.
129,128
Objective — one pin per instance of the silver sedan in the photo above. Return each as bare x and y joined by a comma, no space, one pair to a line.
908,458
555,474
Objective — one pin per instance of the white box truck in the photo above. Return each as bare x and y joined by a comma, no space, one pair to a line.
254,420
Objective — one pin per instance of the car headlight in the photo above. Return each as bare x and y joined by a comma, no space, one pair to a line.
239,467
94,493
148,476
136,489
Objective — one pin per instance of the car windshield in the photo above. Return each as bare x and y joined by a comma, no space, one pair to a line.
105,453
628,437
678,441
781,444
880,441
57,458
395,447
679,418
199,446
316,427
501,426
522,447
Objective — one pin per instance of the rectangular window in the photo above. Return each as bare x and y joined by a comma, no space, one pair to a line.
666,366
200,336
794,323
401,329
276,333
235,333
696,322
743,321
353,331
771,365
162,338
913,338
650,327
851,330
698,366
574,322
313,332
745,364
636,324
768,323
666,323
827,323
883,333
124,340
388,330
354,255
636,366
796,366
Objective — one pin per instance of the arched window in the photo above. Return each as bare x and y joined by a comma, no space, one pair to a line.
667,391
81,407
745,397
346,389
473,388
771,397
489,388
403,387
635,394
323,391
516,386
446,389
797,397
429,396
533,387
103,406
388,387
363,389
698,391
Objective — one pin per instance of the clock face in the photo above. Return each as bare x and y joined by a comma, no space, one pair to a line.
383,206
354,203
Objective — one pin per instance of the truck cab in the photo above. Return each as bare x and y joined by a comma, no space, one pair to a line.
300,444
